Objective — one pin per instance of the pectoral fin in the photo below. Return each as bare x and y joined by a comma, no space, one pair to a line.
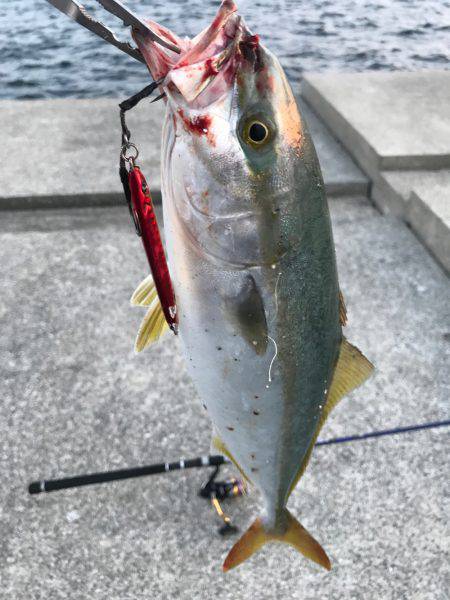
154,323
246,311
352,369
145,293
152,327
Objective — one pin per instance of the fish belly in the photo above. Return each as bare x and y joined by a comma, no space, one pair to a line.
264,406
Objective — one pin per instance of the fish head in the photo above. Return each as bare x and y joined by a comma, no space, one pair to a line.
232,139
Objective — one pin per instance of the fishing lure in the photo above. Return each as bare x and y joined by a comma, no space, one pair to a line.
141,208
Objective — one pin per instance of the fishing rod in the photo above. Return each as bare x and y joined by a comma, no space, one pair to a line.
52,485
213,489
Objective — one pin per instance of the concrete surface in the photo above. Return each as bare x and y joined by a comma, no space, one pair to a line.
398,120
392,190
340,173
75,399
64,153
422,198
396,127
429,216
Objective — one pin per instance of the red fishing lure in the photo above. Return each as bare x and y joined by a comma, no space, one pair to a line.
145,219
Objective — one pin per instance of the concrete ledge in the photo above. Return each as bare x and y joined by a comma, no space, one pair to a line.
422,199
342,177
430,218
396,127
386,120
64,153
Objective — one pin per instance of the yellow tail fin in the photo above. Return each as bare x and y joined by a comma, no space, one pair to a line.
296,535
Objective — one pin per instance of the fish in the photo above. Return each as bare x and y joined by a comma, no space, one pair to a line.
252,259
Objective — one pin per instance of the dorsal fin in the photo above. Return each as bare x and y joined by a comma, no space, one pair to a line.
342,310
352,369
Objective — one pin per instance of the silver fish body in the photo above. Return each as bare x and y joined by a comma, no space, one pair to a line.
252,259
238,241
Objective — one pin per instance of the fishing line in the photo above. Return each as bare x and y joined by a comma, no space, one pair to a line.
383,432
38,487
274,357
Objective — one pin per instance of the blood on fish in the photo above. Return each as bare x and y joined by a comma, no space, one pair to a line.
265,83
252,40
210,69
250,51
199,125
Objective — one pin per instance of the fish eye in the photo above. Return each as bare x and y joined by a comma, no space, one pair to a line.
256,133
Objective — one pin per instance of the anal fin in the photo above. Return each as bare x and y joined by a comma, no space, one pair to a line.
218,444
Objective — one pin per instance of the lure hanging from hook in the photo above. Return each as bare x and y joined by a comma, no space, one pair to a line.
141,208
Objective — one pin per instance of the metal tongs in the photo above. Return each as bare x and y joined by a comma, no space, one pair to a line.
78,13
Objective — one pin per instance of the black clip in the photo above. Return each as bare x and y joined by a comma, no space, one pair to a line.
125,106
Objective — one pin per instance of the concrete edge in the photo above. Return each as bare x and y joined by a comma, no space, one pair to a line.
359,148
336,190
430,228
386,198
366,157
102,199
414,163
99,199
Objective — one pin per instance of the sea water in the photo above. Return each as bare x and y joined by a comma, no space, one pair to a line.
43,54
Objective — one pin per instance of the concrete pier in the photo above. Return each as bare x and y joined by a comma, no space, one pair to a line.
75,398
64,153
396,127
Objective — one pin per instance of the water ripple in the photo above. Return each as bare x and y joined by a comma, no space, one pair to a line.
44,55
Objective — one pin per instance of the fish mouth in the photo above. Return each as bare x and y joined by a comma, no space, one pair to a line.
207,65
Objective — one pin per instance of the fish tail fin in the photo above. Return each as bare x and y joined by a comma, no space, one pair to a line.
253,539
295,535
298,537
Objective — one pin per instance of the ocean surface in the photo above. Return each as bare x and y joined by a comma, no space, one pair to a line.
43,54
